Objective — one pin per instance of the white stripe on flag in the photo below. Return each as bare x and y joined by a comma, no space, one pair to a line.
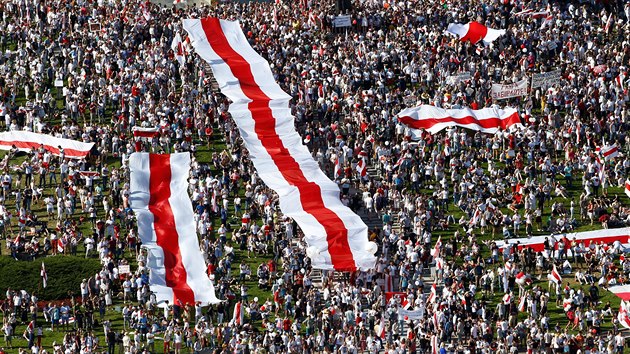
159,197
337,237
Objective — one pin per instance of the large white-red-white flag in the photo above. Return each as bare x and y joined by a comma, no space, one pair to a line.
522,278
160,201
554,276
61,245
547,21
238,314
434,119
27,141
436,250
178,49
435,347
380,328
622,316
627,187
432,294
609,151
337,173
474,32
337,238
362,168
522,304
145,132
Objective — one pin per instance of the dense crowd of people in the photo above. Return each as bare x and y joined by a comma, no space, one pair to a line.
91,71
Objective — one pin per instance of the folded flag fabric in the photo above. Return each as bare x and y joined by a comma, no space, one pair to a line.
474,32
337,238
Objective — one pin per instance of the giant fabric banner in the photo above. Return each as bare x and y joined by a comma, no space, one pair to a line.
159,198
501,92
605,236
474,32
434,119
27,141
336,237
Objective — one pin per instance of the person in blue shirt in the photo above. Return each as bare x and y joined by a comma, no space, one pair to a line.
568,175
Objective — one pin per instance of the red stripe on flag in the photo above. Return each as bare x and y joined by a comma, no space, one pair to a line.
610,151
488,123
145,134
264,125
165,230
623,296
476,32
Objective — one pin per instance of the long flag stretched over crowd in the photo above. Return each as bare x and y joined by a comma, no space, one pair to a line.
434,119
159,198
474,32
605,236
26,141
337,237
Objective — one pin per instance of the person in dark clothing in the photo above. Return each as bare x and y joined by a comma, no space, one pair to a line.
594,293
111,341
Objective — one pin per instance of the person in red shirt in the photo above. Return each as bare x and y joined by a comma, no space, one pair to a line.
286,324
